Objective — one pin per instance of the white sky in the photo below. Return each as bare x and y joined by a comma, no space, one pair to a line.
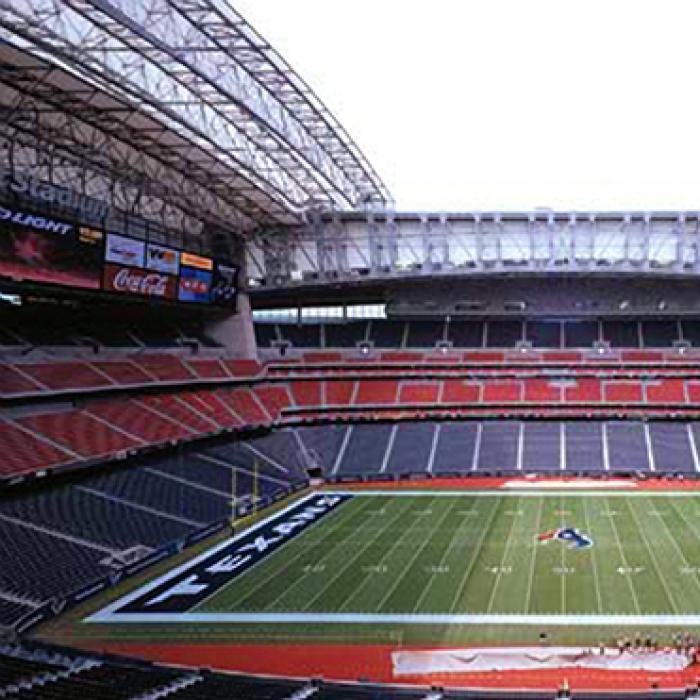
507,105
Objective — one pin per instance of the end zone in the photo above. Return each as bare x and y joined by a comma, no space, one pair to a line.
170,597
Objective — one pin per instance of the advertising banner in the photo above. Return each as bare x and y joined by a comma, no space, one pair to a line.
224,286
198,261
130,280
45,249
162,259
195,285
124,251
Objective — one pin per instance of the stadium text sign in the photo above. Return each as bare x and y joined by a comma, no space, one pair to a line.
34,221
29,186
185,587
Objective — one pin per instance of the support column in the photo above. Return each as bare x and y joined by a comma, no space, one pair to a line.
236,332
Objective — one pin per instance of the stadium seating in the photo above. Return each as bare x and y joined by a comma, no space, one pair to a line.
461,447
72,534
494,333
41,437
23,451
82,434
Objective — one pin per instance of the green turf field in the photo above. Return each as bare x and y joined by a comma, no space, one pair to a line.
480,554
443,567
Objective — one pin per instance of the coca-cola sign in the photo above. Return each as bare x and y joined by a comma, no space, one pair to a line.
130,280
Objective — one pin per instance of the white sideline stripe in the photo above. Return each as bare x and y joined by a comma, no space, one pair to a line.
399,619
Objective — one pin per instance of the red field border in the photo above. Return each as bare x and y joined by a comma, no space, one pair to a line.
346,662
481,483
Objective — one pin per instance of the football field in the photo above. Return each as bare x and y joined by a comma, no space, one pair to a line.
471,561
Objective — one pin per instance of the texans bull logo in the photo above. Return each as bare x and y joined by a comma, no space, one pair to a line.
576,539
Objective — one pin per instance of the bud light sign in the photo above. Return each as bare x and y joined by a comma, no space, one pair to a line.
130,280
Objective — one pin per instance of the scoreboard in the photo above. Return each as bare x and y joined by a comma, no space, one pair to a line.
49,250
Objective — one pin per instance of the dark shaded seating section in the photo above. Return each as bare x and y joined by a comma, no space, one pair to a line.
11,611
411,448
541,450
345,335
73,534
387,334
111,328
581,334
621,334
503,334
493,333
358,692
425,334
627,448
365,450
455,447
301,336
691,332
460,447
225,687
498,447
543,334
671,447
466,334
265,333
659,334
584,446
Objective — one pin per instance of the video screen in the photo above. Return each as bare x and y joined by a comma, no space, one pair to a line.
53,251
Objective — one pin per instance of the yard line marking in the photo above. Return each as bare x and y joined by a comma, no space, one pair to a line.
400,619
426,541
502,564
594,564
690,523
678,549
475,555
285,564
562,558
533,558
418,552
450,546
635,600
387,552
655,563
352,560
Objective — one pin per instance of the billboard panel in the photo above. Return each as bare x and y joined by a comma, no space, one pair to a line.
198,261
162,259
124,251
46,249
224,286
131,280
195,284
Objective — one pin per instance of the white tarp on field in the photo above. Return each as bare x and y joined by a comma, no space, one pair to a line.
531,658
568,484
